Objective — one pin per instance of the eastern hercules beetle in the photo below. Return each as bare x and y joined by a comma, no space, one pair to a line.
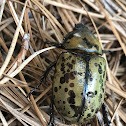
80,75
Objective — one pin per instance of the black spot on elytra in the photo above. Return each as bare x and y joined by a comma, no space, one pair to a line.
63,59
69,112
91,79
72,106
71,84
100,69
63,67
79,73
96,110
96,64
100,95
66,76
84,119
64,108
92,110
73,61
89,115
95,92
75,72
90,94
59,87
103,89
72,77
101,81
64,102
71,99
70,57
77,110
62,64
62,80
104,74
70,65
55,89
75,115
65,89
68,70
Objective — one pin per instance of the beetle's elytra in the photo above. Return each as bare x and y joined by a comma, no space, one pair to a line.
78,87
79,80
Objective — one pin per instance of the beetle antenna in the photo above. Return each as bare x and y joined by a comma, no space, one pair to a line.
107,121
42,78
106,51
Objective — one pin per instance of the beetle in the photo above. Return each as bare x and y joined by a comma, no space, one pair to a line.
79,79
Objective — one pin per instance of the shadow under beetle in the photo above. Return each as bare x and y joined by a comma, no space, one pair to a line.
80,75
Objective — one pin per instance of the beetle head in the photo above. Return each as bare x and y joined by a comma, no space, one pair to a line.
82,39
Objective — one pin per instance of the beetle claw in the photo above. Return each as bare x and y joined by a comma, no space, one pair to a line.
51,124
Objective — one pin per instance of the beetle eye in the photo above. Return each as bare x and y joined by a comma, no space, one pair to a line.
85,39
90,94
67,42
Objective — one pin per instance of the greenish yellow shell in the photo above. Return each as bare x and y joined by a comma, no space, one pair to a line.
78,86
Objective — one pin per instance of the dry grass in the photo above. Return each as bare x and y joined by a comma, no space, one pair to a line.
24,61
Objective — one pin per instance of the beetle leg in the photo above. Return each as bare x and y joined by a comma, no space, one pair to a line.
106,51
51,122
58,45
42,78
105,115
